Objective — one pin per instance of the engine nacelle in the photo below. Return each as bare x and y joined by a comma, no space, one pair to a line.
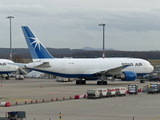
127,76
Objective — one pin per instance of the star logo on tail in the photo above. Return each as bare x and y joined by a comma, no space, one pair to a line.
36,42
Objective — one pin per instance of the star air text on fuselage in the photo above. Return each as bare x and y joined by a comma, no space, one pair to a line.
133,64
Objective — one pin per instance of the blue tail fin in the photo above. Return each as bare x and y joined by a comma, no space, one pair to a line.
36,48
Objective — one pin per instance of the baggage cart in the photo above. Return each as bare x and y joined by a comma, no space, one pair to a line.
133,89
93,94
111,92
103,92
120,91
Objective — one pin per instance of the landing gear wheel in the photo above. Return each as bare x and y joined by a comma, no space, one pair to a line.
80,82
101,82
83,82
7,77
98,82
77,82
104,82
142,81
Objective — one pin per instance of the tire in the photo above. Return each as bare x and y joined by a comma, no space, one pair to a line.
83,82
142,81
104,82
98,82
77,82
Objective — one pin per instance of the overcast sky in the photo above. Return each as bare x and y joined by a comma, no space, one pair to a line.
130,24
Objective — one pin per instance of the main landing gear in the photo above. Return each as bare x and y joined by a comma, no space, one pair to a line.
7,77
102,82
142,81
80,82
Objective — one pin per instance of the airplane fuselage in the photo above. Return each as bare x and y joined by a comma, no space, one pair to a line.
6,68
81,68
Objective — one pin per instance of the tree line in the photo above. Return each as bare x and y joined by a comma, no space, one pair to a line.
18,54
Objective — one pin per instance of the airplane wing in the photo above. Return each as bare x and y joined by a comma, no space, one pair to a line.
44,64
113,71
32,64
18,64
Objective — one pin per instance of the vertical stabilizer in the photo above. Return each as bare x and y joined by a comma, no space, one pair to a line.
36,48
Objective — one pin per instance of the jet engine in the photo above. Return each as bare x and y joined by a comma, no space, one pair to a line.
127,76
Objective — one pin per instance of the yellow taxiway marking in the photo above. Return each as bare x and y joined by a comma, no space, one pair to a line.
15,99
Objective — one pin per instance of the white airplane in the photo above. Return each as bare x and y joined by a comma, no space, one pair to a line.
6,68
126,69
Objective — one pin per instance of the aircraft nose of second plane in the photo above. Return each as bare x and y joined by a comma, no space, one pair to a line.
151,68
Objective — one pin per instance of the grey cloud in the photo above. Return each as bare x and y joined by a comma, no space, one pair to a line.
74,23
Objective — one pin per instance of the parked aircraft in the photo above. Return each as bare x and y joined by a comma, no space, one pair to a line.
126,69
6,68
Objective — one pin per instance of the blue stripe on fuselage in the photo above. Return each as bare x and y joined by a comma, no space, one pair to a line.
6,72
88,76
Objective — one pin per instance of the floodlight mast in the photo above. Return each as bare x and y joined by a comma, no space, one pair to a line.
103,54
10,17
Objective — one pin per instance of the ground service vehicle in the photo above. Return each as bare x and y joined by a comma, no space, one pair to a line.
15,115
133,89
120,91
93,93
154,78
111,92
153,88
103,92
19,77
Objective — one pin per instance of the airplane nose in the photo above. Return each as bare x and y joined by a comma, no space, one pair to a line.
152,68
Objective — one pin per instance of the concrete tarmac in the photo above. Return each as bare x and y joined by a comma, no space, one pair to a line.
20,93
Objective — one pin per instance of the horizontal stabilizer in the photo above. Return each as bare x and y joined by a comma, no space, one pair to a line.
21,65
32,64
37,64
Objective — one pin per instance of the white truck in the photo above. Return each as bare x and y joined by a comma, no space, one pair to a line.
121,91
103,92
111,92
93,94
19,77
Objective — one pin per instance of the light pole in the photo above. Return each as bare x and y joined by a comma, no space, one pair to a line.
10,17
103,54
